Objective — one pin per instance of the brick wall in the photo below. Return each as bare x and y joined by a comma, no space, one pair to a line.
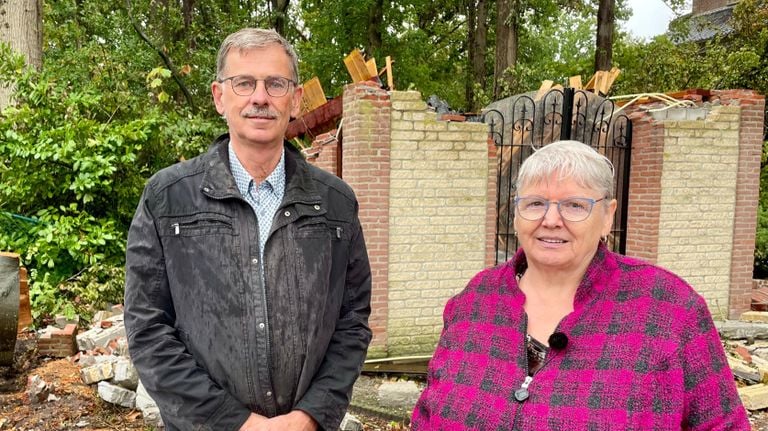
437,218
693,194
644,187
698,198
752,107
58,343
366,167
324,153
426,194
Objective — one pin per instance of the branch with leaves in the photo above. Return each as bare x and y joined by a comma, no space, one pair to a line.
167,60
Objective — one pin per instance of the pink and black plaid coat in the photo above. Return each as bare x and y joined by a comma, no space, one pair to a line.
642,354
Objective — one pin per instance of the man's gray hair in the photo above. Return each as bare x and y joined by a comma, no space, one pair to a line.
569,160
253,38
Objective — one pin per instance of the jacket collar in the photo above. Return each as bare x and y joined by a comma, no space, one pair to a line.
218,182
594,280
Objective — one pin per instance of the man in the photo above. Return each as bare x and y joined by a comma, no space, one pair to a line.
247,278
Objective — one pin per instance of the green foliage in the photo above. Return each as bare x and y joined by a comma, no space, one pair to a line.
729,61
74,161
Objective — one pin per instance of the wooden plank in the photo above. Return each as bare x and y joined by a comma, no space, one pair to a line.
609,78
591,83
313,96
599,79
25,310
575,82
390,78
395,368
356,66
546,85
371,65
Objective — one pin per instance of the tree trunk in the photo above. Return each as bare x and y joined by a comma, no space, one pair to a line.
604,44
506,42
375,20
21,26
279,11
477,21
188,12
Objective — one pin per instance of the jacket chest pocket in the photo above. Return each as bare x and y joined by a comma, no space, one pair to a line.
200,224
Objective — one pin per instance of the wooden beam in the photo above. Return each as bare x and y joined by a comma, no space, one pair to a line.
545,87
610,77
390,78
313,96
357,67
591,83
575,82
371,66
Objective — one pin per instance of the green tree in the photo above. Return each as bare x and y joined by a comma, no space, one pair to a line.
738,59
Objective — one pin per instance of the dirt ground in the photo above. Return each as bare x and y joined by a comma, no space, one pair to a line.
76,406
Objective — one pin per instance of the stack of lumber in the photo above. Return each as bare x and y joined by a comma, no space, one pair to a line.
600,83
359,69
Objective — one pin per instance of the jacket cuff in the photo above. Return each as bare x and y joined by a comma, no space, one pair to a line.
315,404
230,415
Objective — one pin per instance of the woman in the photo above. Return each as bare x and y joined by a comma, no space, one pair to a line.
570,336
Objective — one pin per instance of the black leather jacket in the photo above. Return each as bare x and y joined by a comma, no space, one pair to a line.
211,342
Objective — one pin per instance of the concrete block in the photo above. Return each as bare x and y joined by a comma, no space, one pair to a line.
97,373
405,95
100,337
61,321
37,389
101,315
402,394
125,374
734,329
350,423
117,395
754,397
755,316
148,407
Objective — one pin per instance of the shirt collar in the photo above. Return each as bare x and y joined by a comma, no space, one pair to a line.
244,181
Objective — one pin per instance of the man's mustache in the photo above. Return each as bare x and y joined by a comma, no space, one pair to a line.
259,112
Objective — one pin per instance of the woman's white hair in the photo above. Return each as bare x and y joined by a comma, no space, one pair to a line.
569,160
252,38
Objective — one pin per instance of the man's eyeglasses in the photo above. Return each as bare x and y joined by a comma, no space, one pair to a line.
571,209
244,85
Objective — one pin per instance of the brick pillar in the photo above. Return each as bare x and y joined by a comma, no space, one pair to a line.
747,195
645,187
324,152
366,161
490,222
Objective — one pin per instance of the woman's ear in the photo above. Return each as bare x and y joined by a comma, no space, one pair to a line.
610,211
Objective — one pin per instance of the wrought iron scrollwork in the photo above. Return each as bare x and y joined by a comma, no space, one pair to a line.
552,121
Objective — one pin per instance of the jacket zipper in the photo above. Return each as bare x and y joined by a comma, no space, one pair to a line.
521,394
263,273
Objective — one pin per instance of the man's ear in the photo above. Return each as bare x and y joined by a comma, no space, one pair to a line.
217,92
296,101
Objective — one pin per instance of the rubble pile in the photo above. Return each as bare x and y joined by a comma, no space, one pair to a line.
746,346
104,361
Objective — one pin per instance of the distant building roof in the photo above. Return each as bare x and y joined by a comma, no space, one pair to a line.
704,26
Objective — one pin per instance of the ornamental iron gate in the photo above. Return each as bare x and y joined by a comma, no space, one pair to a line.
520,125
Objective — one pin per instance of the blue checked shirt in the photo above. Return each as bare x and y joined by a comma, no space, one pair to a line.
264,198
